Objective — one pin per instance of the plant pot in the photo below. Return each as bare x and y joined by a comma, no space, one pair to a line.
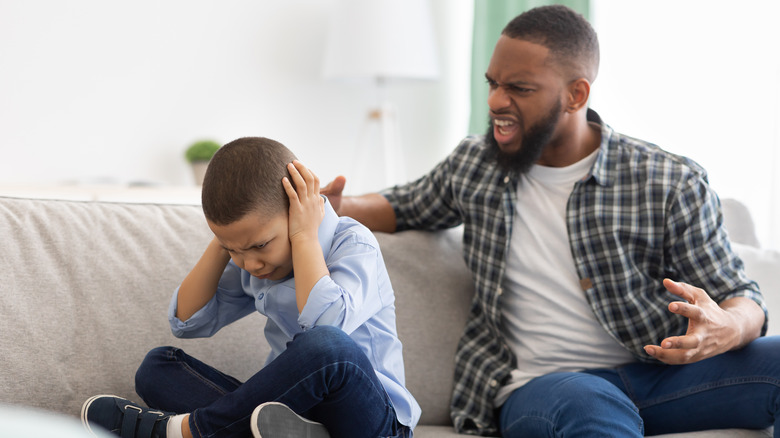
199,171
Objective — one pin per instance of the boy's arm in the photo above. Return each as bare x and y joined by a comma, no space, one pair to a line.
200,285
306,213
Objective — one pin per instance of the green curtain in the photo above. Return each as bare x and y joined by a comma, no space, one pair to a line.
490,18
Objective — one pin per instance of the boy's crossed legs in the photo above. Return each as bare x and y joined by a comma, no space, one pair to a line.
322,375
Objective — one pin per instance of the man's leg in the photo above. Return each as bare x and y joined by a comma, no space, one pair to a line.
323,376
569,404
737,389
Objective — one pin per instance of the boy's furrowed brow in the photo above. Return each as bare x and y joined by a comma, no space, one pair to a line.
226,248
244,249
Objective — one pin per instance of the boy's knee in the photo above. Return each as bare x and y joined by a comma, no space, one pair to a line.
327,341
155,357
322,334
149,367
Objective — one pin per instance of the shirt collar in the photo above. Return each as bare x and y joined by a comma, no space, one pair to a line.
602,170
327,227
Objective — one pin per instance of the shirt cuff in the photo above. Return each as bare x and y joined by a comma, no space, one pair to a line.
324,306
180,328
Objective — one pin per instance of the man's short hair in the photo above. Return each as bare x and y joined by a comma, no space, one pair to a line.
245,176
571,40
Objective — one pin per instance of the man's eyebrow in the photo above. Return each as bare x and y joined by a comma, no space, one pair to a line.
515,83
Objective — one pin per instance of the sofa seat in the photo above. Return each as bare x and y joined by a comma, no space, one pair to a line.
85,289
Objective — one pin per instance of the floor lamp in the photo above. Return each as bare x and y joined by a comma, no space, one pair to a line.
382,41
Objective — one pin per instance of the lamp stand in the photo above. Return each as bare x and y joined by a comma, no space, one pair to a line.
385,116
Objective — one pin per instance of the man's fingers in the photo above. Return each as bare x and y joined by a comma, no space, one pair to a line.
671,357
689,311
686,342
335,187
685,291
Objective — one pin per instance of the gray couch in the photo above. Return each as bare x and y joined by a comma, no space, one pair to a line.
84,288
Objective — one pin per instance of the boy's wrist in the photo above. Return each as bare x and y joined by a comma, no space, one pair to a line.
304,238
218,249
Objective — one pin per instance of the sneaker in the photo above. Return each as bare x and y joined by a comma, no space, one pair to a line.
123,417
276,420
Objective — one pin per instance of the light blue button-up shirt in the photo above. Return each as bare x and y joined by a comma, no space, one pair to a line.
357,297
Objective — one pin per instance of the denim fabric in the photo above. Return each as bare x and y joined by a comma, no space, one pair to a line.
737,389
322,375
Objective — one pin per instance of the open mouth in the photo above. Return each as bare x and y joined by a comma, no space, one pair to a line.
504,130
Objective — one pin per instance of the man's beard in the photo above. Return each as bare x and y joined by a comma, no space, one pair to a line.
534,139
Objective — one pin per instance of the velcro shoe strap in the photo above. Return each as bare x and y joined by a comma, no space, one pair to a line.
129,420
148,420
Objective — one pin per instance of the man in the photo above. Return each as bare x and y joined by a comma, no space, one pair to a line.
608,300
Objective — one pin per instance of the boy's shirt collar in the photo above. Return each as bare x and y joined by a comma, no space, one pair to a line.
327,228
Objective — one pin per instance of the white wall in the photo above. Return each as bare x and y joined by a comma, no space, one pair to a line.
700,78
95,91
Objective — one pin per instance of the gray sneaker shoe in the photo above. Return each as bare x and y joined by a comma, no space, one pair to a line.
123,417
276,420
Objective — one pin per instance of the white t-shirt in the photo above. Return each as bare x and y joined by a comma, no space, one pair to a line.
547,320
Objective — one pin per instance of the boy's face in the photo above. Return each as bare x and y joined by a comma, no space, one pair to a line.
257,244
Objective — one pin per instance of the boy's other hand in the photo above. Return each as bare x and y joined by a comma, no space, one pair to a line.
333,191
307,208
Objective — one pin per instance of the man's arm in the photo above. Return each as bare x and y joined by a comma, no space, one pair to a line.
372,210
712,329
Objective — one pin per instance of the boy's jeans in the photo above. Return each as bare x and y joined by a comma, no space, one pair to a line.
738,389
322,375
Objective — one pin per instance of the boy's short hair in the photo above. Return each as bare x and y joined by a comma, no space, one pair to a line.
571,39
245,176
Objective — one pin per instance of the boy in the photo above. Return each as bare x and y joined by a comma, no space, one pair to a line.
335,366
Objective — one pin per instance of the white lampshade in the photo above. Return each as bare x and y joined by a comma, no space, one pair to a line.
381,39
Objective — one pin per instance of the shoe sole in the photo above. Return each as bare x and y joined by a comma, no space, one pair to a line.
85,408
283,423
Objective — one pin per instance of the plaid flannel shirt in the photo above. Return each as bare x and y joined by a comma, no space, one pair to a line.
641,215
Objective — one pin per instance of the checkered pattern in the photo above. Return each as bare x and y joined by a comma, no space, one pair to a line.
641,215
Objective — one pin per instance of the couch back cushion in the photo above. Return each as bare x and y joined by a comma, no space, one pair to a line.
84,292
433,289
763,266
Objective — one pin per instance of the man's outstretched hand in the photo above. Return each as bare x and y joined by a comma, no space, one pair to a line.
333,191
712,329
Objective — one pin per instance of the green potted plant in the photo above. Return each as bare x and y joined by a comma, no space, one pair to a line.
198,155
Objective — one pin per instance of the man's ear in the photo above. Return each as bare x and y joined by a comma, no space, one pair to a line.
579,92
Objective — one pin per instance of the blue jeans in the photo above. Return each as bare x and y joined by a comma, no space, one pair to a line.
322,375
737,389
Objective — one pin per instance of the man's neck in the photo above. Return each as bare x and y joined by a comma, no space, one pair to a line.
573,143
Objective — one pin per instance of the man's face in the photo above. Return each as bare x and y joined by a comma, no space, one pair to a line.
525,102
258,245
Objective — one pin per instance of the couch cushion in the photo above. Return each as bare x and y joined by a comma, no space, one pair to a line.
763,266
433,289
85,290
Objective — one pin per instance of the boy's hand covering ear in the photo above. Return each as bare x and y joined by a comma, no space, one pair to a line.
307,207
